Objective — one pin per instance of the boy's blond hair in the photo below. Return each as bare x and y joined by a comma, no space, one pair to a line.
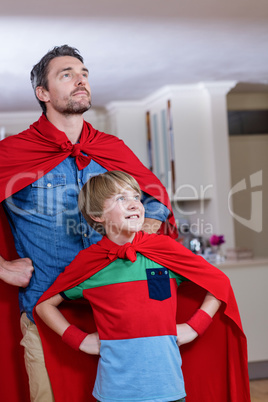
98,189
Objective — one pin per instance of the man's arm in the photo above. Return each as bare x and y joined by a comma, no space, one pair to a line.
48,311
155,213
151,225
201,320
16,272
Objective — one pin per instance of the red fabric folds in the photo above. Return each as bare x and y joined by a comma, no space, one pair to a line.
31,154
13,377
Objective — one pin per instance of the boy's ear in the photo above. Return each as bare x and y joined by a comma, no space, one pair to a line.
97,218
42,94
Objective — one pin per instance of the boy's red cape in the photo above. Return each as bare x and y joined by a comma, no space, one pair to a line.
214,365
24,158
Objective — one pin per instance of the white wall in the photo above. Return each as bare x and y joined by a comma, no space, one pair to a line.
201,147
127,121
14,123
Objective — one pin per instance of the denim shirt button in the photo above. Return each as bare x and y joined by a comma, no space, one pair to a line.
49,184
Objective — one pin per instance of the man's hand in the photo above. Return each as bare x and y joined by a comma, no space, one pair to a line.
185,334
16,272
151,225
91,344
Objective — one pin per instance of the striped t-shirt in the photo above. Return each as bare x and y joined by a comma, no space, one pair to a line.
134,306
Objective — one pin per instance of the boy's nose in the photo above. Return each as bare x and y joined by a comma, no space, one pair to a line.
132,204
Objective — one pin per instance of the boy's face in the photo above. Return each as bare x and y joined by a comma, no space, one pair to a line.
123,214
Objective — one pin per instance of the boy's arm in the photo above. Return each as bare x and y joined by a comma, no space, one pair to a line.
50,314
48,311
199,322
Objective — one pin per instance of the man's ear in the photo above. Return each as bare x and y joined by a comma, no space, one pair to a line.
42,94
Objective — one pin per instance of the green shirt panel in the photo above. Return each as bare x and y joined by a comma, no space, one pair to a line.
119,271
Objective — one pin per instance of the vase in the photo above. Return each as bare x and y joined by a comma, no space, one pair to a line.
219,257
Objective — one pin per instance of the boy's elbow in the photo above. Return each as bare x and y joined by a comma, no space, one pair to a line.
39,309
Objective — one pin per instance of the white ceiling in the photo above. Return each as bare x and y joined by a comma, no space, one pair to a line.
133,48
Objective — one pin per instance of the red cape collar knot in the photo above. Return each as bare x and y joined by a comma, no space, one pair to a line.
75,151
127,251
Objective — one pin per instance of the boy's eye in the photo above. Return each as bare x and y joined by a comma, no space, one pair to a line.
124,198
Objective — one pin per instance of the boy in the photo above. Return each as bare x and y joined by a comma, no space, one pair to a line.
131,280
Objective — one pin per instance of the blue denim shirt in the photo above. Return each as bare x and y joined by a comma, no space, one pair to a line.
49,228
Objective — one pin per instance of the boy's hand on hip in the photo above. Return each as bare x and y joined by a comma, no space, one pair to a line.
185,334
91,344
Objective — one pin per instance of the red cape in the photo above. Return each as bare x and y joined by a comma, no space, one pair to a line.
42,147
25,158
214,365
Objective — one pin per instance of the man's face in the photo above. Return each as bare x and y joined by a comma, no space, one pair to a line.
68,87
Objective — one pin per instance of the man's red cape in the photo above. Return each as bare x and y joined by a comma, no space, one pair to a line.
25,158
31,154
214,365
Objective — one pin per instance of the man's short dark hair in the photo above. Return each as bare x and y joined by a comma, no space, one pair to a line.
40,70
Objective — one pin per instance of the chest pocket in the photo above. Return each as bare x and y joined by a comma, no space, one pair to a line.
158,283
50,194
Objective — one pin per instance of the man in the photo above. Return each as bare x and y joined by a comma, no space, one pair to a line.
42,172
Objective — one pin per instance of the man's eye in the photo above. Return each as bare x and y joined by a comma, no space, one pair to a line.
67,74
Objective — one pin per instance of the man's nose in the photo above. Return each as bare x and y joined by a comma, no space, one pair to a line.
81,80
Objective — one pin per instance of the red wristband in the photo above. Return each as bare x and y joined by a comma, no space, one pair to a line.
73,336
200,321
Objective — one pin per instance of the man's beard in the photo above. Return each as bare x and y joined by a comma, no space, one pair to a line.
75,107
